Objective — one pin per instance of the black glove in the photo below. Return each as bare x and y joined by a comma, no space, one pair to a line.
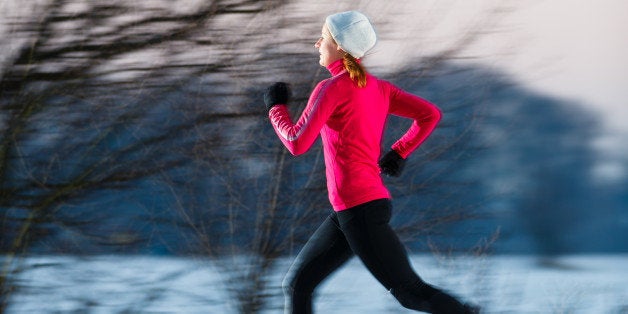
278,93
392,164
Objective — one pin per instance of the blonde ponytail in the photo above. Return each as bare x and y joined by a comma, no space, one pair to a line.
355,69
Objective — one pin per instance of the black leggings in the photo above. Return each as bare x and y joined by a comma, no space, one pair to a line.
364,231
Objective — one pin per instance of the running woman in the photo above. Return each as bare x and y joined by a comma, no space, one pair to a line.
349,112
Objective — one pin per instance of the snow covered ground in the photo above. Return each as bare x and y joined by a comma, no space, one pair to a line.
147,284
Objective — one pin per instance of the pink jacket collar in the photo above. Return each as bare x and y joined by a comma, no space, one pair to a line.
336,67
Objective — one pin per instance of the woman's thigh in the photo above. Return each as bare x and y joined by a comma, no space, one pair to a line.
325,251
367,230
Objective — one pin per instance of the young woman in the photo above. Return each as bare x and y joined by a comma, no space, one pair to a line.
349,112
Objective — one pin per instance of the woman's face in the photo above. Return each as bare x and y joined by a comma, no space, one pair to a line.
327,48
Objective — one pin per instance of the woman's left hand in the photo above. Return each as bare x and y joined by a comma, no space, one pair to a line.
277,94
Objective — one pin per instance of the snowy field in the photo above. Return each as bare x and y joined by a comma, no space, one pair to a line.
503,284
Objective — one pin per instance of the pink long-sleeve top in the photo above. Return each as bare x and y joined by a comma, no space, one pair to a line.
351,121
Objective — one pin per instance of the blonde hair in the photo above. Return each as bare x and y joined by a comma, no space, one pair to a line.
356,71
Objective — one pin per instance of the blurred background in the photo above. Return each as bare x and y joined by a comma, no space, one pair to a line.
136,129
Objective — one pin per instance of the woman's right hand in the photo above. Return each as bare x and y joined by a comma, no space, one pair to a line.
392,164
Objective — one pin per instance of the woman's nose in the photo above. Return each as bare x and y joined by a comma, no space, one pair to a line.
318,43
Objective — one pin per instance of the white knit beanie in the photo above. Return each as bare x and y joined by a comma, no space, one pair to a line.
352,31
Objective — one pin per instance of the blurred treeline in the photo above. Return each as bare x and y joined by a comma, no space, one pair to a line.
138,128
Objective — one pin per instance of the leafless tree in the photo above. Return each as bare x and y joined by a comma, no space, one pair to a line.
88,113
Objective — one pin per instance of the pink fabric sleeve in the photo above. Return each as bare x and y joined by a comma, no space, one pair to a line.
425,115
298,137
